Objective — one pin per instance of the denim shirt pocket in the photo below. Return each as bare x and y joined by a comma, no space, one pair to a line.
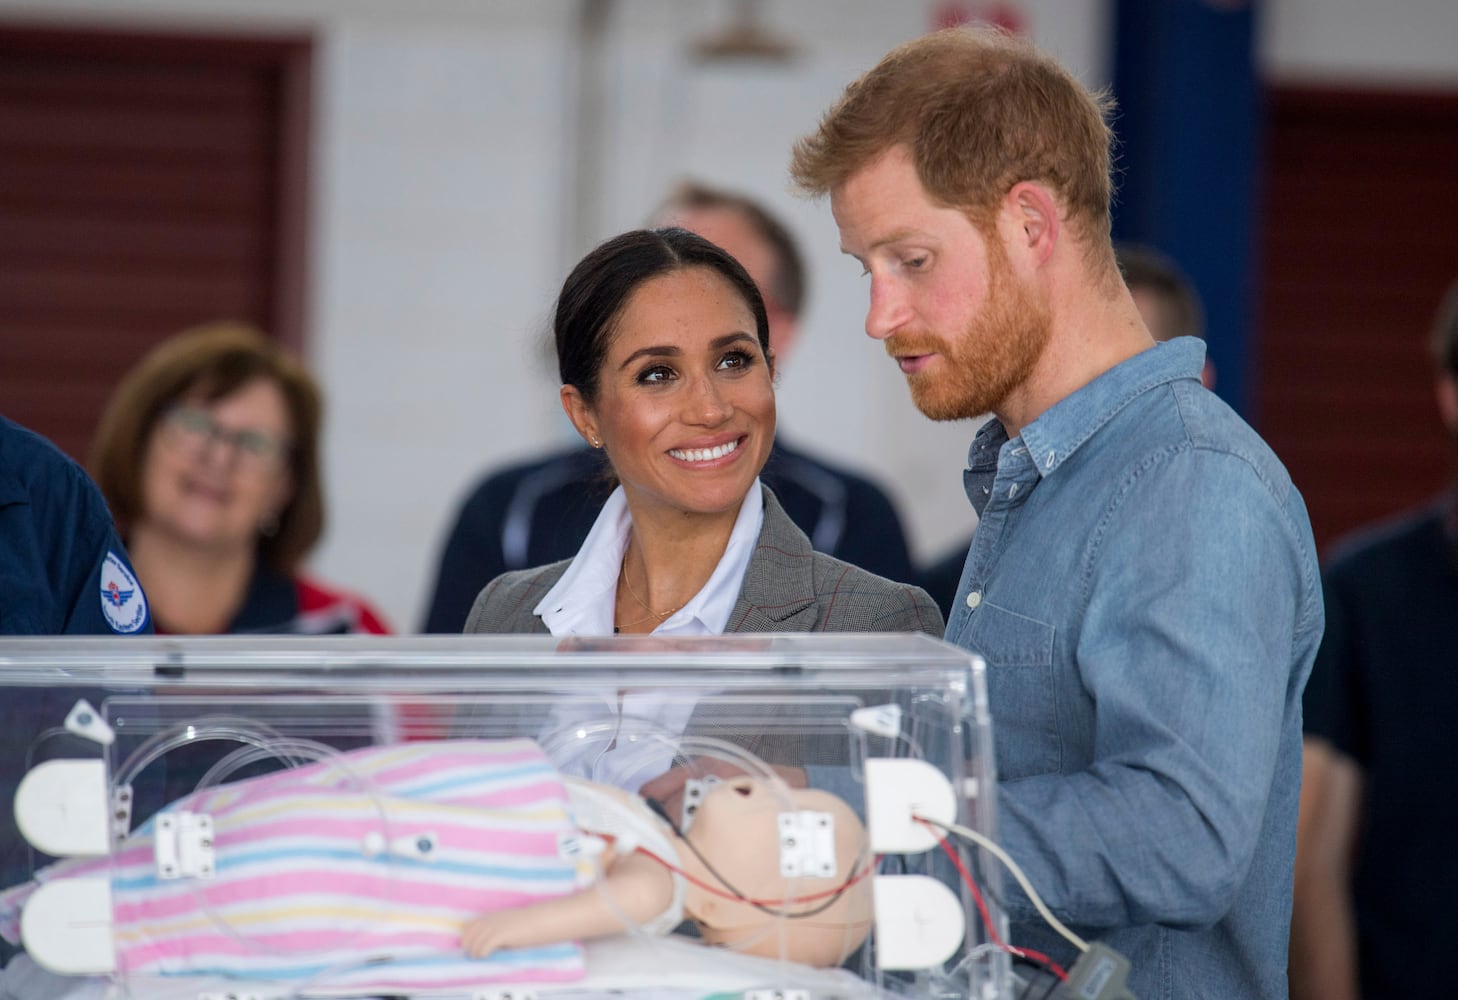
1019,655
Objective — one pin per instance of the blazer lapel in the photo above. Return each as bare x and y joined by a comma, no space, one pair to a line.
778,594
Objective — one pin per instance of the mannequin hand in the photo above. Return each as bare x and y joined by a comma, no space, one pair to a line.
633,891
667,788
489,932
518,927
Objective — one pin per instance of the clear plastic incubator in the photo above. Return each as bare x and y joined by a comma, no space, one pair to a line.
497,818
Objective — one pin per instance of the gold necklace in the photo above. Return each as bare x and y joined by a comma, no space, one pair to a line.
660,615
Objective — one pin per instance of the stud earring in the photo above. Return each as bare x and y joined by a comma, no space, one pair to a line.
595,442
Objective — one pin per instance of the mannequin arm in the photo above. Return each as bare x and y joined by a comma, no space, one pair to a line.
636,887
1323,931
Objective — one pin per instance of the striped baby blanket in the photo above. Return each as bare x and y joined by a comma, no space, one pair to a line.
356,872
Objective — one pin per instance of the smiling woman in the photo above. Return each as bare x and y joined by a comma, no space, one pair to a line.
663,348
208,456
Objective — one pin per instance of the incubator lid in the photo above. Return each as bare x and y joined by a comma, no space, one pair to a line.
502,663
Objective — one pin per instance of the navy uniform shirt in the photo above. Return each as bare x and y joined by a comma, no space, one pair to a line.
63,570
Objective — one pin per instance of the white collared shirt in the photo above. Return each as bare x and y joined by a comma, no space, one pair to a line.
584,602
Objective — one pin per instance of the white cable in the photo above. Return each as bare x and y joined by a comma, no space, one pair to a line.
982,841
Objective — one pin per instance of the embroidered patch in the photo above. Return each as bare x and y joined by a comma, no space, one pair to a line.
123,604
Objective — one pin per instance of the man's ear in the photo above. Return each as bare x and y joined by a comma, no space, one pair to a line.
1030,221
1447,392
580,414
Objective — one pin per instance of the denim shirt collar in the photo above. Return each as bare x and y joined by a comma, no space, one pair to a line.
1062,429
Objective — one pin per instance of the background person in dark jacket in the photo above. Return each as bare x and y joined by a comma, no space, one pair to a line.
63,569
1375,867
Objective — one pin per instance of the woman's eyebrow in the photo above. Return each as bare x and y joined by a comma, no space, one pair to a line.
732,338
653,351
672,351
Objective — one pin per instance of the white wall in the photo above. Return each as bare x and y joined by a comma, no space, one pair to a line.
445,208
1409,43
435,254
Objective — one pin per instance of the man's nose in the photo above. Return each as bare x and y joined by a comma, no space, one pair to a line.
887,312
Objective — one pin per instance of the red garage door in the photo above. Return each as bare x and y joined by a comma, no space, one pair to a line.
1359,241
147,183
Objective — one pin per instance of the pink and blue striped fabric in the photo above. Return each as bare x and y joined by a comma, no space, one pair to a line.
353,873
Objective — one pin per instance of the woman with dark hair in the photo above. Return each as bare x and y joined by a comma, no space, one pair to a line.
663,350
208,455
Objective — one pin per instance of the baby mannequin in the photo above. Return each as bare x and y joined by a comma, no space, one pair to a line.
732,858
460,863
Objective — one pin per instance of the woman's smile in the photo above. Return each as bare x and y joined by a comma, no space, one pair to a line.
703,456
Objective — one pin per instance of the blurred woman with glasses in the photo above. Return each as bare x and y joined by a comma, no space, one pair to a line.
208,456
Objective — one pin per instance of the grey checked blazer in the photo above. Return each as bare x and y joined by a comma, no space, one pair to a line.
788,587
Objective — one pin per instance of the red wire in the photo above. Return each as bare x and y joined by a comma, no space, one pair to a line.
812,897
722,894
1028,953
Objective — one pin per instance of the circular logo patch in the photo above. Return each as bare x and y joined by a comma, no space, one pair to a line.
123,604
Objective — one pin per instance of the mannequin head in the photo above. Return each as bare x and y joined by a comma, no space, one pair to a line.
736,833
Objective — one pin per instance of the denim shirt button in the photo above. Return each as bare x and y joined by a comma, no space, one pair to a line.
974,599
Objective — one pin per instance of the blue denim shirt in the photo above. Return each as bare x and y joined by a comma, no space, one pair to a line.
1144,587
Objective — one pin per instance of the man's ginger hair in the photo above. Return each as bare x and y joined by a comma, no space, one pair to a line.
979,110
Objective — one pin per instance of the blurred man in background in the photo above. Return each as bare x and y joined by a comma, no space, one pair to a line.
1376,872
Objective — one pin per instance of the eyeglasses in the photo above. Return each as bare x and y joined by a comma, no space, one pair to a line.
195,428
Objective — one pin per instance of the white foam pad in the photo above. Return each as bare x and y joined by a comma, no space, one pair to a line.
61,808
66,926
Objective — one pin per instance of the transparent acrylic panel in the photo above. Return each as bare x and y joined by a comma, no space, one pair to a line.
450,774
